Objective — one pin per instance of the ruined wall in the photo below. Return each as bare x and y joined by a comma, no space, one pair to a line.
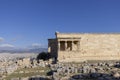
93,47
52,47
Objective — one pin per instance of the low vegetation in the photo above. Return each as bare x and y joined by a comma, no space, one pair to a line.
28,72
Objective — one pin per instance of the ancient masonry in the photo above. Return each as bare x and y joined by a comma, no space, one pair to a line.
68,47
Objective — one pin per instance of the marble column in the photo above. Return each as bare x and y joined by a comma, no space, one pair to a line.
58,45
65,45
78,45
72,45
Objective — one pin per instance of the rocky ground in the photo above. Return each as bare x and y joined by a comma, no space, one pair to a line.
97,70
26,67
11,62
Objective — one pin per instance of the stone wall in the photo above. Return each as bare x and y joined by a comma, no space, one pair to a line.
92,47
52,47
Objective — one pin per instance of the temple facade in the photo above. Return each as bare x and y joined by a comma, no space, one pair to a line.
68,47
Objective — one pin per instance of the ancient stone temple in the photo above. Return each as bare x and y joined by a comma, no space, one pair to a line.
70,47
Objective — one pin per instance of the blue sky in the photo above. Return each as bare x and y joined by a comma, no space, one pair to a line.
31,22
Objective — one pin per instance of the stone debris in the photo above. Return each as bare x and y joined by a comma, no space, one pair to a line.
84,71
11,63
101,70
116,75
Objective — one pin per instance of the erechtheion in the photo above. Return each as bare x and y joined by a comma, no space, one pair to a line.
69,47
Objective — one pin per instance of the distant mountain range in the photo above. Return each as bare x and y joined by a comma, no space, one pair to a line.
22,50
